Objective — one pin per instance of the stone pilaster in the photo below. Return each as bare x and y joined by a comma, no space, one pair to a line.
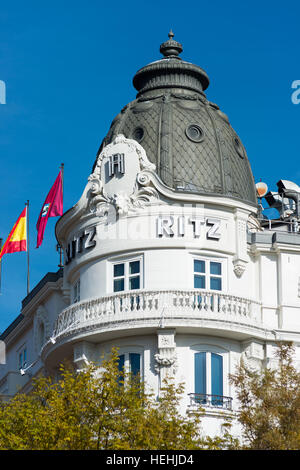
165,359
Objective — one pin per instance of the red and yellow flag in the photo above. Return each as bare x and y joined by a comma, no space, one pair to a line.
17,239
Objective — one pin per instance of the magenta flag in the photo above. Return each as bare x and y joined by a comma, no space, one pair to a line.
52,207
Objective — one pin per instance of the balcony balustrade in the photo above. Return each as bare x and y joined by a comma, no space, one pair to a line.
165,306
214,401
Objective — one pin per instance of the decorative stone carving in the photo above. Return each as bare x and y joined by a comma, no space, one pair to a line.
166,359
127,191
239,267
162,361
241,256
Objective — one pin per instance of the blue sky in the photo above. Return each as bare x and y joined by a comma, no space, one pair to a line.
68,69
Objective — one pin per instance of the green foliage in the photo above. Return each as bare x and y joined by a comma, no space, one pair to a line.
101,408
98,409
270,404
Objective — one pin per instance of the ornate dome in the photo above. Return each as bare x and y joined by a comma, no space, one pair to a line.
187,137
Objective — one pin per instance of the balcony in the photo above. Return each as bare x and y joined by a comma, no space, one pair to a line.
144,309
211,401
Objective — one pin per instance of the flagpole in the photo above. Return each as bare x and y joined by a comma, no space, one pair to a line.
62,167
27,225
1,239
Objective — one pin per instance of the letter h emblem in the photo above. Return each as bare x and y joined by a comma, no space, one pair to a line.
116,164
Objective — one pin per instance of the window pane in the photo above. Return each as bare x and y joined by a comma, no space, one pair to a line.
199,266
134,363
134,267
119,270
134,282
215,268
200,372
216,374
118,285
216,283
199,282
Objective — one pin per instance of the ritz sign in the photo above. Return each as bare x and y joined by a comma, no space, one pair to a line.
168,226
80,244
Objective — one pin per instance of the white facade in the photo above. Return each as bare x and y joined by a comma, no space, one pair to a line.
163,276
184,284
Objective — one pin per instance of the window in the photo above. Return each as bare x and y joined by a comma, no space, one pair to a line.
209,378
130,363
127,276
22,358
76,291
207,274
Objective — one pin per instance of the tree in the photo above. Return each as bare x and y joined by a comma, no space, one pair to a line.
98,409
270,403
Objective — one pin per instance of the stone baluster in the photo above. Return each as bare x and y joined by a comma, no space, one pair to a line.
246,308
223,307
202,302
210,302
147,301
215,303
134,302
191,302
117,305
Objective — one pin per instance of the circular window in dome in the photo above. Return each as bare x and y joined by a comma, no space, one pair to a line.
194,133
238,146
138,134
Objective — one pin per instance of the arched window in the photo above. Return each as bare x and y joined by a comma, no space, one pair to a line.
130,362
209,378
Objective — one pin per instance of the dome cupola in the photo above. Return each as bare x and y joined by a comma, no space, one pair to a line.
187,137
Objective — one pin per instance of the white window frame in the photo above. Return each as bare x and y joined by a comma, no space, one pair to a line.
207,260
209,349
126,261
20,352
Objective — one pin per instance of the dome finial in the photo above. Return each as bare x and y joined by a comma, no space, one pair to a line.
171,34
171,48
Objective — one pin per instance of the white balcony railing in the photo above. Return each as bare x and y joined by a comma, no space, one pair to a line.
161,305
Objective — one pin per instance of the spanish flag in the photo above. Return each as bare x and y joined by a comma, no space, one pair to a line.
17,239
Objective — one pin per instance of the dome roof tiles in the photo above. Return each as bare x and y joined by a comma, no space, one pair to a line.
187,137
